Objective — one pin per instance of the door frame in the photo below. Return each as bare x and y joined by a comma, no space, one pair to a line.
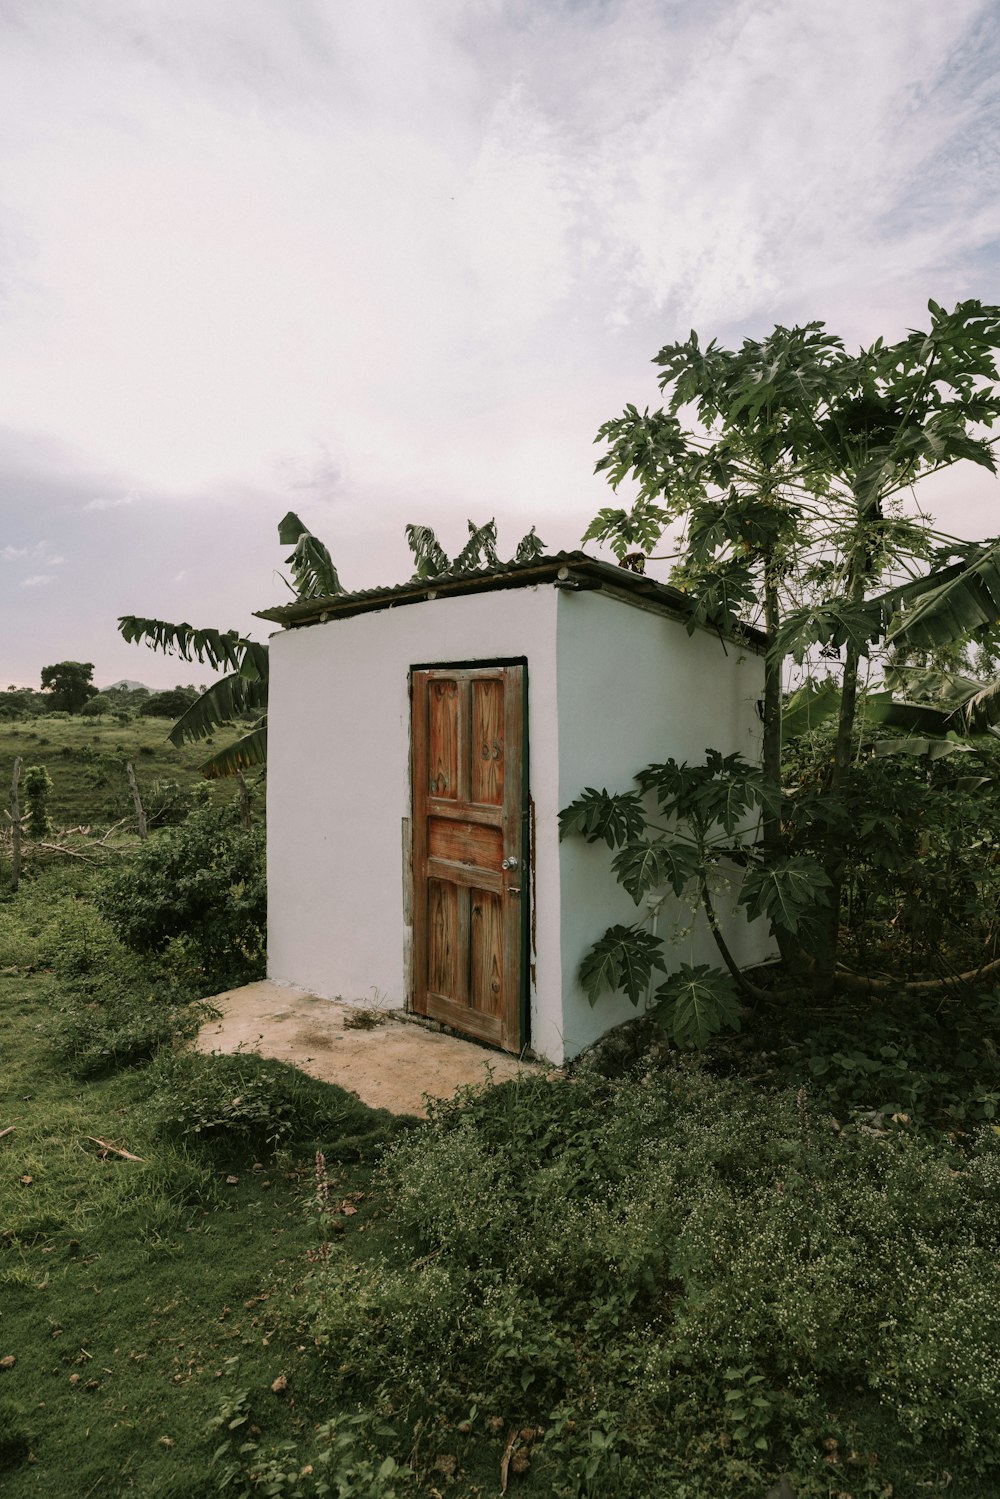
528,852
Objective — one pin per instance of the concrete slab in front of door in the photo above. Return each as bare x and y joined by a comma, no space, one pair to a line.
390,1065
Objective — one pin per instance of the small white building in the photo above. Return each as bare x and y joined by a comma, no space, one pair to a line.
421,742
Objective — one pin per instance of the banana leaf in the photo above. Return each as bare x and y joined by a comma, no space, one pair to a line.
246,752
219,704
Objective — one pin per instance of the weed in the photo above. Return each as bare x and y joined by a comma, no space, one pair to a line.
245,1102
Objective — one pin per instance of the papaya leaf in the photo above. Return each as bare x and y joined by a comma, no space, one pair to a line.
721,595
722,790
830,625
638,529
642,866
695,1003
731,794
596,814
624,959
667,780
653,448
787,892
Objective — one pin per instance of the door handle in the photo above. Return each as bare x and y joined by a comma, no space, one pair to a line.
510,863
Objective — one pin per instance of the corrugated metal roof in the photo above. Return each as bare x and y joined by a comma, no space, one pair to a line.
572,571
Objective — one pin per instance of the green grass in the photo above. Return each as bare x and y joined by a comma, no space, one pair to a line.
137,1296
670,1282
86,758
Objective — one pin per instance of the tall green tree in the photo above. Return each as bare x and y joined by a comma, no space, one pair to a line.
70,683
780,473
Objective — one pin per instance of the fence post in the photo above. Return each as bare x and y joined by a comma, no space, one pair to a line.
140,815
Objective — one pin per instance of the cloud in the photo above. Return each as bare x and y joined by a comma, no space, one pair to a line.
389,268
307,227
37,580
110,503
40,551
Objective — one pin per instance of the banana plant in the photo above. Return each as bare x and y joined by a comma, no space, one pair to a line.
243,690
479,552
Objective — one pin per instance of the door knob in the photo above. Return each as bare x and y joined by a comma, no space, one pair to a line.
509,864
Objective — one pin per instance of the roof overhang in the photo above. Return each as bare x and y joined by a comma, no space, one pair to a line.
571,572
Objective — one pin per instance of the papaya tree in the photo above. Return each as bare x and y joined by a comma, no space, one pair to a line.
778,477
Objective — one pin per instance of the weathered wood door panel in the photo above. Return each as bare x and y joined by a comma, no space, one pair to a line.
468,849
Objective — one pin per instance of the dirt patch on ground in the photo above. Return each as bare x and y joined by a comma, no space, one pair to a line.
390,1064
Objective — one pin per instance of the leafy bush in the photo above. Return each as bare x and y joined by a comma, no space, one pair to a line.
79,944
937,1062
37,784
101,702
673,1274
203,883
921,842
339,1464
126,1028
244,1103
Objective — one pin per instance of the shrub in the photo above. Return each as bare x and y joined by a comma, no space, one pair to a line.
100,703
78,943
37,784
245,1103
676,1273
203,883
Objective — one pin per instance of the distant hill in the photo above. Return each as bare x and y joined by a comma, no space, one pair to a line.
128,684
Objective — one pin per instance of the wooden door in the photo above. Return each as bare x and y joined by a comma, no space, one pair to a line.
469,847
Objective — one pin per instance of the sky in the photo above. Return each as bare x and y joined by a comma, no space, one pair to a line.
390,261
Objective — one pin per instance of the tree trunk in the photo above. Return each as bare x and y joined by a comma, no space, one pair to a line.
772,842
140,813
15,828
834,861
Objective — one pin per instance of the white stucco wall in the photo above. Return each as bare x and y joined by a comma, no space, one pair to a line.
635,688
339,788
631,687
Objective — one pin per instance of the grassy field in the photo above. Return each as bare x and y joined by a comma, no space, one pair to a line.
138,1267
699,1277
86,759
